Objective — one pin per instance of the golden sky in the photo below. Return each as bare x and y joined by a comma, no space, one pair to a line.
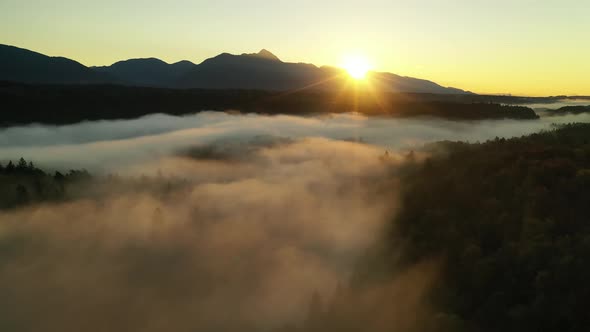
524,47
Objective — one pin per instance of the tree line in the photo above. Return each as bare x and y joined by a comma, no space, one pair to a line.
63,104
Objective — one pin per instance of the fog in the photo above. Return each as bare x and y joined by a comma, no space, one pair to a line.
273,209
242,247
558,104
103,145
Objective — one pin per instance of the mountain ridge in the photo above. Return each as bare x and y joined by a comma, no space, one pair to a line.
248,71
22,65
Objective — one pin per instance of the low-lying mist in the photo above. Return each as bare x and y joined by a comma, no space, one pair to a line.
109,146
273,210
242,246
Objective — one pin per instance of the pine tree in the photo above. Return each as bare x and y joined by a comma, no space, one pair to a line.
22,164
9,167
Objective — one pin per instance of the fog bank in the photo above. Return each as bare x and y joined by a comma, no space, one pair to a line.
99,145
242,247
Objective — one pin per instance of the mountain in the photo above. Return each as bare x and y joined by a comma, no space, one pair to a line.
248,71
21,65
147,72
259,71
265,71
263,54
396,83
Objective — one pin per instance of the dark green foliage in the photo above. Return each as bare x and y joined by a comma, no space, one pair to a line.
510,218
25,184
9,167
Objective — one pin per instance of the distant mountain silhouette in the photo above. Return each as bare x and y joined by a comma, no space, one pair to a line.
251,71
261,71
147,72
21,65
396,83
265,71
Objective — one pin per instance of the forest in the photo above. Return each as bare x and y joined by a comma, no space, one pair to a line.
570,110
64,104
508,218
23,184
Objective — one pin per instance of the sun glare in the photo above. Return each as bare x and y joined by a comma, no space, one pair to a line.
356,66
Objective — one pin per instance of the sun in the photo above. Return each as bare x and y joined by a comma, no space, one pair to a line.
357,66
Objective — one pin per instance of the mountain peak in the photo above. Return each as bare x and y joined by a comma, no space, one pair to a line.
264,54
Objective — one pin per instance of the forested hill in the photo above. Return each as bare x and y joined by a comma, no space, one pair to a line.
509,218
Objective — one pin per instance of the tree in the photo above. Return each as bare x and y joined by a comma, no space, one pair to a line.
22,164
9,167
58,176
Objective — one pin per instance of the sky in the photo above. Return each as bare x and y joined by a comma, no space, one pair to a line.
520,47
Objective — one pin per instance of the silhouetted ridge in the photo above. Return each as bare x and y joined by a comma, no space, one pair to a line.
147,71
21,65
248,71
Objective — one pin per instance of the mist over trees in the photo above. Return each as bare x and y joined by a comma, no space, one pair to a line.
23,184
570,110
215,253
488,236
509,219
